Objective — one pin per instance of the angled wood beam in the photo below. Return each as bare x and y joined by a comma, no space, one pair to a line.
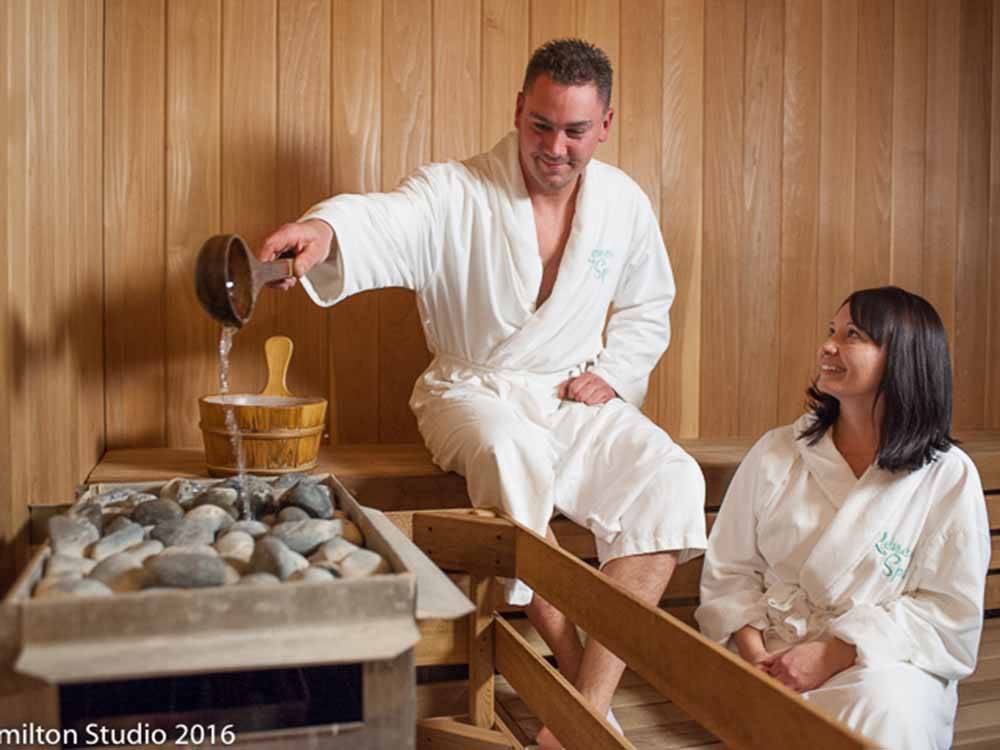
446,733
461,540
733,700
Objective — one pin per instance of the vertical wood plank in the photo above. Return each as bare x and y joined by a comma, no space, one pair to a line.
457,52
838,119
406,91
249,161
761,256
641,84
941,196
133,222
357,115
800,205
304,175
992,405
599,22
972,278
481,660
552,19
505,55
909,144
872,227
681,209
723,230
194,211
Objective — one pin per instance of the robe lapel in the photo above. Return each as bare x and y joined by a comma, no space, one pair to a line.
874,504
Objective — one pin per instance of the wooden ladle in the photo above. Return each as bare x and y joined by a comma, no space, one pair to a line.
228,278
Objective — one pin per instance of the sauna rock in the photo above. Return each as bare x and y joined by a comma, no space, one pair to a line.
157,511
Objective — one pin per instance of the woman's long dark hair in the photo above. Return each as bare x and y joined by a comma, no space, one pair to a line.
916,386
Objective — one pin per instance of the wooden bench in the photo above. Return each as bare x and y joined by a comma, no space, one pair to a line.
401,479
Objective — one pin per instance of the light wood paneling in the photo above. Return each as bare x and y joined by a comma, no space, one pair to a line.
134,178
760,248
303,173
506,50
552,19
681,212
909,144
357,119
725,25
800,204
599,22
993,329
194,211
406,92
972,272
457,86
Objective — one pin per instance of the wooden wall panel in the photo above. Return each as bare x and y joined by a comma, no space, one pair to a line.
941,181
909,144
357,120
761,244
641,86
506,50
303,174
725,24
552,19
193,206
800,205
599,22
972,272
681,212
406,144
992,407
134,178
457,49
872,227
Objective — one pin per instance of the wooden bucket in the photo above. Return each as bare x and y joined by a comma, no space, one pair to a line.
280,432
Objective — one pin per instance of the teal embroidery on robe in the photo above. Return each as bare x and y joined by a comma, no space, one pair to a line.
895,556
600,263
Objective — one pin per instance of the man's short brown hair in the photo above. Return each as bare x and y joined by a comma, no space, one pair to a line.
571,62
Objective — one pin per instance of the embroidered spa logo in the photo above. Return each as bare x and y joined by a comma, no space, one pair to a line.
895,556
600,263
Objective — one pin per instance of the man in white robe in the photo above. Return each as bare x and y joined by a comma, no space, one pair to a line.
891,564
516,256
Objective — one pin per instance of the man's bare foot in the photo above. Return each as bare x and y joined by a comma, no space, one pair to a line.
547,741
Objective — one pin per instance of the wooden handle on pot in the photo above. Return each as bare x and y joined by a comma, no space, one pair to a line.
278,351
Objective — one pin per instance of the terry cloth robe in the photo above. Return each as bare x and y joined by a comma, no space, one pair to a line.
462,236
894,563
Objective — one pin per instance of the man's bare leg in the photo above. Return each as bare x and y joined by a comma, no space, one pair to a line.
645,576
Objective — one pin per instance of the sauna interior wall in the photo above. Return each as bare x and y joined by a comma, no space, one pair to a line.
795,150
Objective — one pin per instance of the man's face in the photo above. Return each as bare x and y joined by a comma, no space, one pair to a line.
559,129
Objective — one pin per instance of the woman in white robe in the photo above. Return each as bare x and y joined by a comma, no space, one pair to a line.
850,554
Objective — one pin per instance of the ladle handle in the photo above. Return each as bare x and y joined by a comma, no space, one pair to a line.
278,351
275,270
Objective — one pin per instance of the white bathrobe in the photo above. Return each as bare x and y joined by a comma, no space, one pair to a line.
462,235
892,563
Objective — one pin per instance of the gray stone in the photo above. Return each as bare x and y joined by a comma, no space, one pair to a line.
113,496
314,499
236,545
256,529
254,490
362,563
333,551
311,575
187,571
89,511
272,556
136,499
70,536
233,575
182,531
65,587
147,549
157,511
305,536
222,497
213,517
127,536
190,549
291,513
117,523
181,491
258,579
120,572
287,481
69,564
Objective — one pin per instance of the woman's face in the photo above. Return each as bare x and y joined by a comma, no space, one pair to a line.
851,365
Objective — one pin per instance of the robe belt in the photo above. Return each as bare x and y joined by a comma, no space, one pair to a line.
456,361
792,615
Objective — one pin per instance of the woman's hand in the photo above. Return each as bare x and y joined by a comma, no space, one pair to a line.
309,241
808,665
750,643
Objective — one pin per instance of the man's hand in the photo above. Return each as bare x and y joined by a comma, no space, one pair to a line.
588,388
308,240
809,665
